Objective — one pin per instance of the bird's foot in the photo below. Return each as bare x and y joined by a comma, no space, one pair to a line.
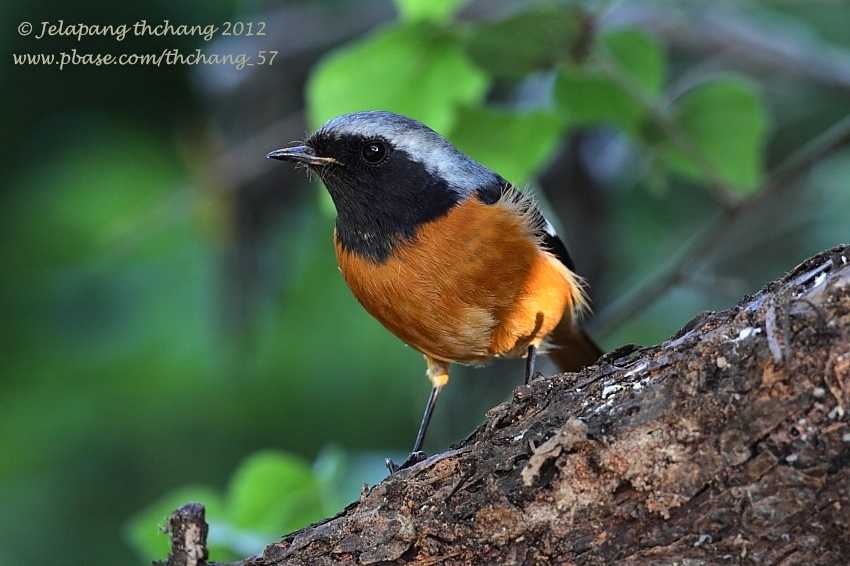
412,458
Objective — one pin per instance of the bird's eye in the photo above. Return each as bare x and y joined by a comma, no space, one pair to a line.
374,152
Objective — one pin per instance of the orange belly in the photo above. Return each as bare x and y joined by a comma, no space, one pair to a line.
471,285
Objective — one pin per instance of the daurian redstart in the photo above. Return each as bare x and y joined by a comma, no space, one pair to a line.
445,253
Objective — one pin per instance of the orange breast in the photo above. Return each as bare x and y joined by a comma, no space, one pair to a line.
471,285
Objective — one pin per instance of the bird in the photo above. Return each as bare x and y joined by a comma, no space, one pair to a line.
444,252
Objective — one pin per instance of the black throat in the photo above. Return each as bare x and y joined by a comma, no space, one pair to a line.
381,208
372,224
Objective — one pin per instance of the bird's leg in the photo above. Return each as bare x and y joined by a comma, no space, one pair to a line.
438,373
416,455
426,419
529,363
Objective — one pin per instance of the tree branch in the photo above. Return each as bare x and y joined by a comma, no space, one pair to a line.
188,529
727,444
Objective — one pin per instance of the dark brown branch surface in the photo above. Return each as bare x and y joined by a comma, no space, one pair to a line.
728,444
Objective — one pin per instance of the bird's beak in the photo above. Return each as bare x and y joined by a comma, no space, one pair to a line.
301,154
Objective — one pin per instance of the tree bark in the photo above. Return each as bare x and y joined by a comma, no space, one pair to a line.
727,444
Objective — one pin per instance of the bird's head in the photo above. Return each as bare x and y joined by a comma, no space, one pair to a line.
387,174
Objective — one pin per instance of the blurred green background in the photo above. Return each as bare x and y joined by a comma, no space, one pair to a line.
174,326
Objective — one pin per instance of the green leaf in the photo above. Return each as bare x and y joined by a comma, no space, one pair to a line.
609,91
524,43
726,122
513,144
270,493
590,98
430,10
411,69
637,56
274,491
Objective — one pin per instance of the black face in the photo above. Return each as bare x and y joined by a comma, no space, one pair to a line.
382,194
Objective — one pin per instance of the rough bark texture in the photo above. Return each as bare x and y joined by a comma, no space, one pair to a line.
188,529
727,444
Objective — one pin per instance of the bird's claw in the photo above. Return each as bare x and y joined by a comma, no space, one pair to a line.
412,458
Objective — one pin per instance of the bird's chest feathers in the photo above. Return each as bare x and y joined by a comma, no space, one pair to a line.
459,288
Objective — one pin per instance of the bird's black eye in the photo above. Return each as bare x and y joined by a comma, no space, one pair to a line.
374,152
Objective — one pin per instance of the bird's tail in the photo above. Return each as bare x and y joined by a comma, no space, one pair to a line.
571,348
